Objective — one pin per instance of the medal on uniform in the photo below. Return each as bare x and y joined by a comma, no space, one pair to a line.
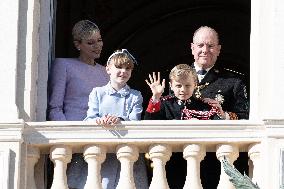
199,88
220,98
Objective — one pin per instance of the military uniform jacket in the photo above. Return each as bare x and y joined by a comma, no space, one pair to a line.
227,88
171,108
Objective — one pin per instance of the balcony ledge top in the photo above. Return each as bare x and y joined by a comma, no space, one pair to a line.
151,123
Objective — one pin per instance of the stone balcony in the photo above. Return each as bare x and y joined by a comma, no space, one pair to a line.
263,141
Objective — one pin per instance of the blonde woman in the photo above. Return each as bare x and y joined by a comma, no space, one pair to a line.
71,81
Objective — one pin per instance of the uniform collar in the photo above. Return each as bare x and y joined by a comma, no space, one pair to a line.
183,102
197,68
210,76
123,92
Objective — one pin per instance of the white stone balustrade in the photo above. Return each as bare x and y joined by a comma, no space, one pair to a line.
33,155
158,138
159,154
94,155
60,156
194,154
254,154
231,153
127,155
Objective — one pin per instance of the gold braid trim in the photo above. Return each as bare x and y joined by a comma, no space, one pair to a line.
233,116
198,90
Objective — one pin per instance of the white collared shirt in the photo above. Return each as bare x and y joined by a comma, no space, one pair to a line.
197,68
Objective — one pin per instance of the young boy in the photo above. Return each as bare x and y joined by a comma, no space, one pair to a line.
182,105
179,106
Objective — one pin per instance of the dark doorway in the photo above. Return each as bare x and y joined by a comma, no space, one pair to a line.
159,32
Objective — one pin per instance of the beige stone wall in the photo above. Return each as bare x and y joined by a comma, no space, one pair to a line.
266,64
11,155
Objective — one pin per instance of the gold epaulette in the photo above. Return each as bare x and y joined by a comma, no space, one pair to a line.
233,71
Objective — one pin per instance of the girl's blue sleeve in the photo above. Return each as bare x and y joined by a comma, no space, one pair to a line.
137,109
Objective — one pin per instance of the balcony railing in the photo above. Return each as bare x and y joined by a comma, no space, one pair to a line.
157,138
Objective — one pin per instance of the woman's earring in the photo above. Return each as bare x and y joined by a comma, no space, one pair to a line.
79,49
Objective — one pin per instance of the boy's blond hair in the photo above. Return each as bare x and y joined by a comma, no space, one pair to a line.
183,71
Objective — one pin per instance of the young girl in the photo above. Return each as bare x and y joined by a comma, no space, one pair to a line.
113,103
116,101
181,105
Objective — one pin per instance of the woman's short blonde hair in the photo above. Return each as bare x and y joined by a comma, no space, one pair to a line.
83,29
183,71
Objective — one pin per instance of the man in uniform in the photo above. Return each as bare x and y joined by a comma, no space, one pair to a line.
220,84
223,85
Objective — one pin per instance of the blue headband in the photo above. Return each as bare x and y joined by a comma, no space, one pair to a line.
121,52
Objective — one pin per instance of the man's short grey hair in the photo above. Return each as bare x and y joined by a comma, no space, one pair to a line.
206,28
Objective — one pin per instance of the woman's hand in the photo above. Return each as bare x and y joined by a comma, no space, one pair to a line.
155,85
108,121
216,104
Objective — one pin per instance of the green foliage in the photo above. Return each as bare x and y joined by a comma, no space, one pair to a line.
239,181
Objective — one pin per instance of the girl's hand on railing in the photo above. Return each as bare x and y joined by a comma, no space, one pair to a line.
108,121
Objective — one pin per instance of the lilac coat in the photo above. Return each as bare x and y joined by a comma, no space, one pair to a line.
71,82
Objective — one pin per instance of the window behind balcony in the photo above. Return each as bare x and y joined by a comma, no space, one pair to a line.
159,32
